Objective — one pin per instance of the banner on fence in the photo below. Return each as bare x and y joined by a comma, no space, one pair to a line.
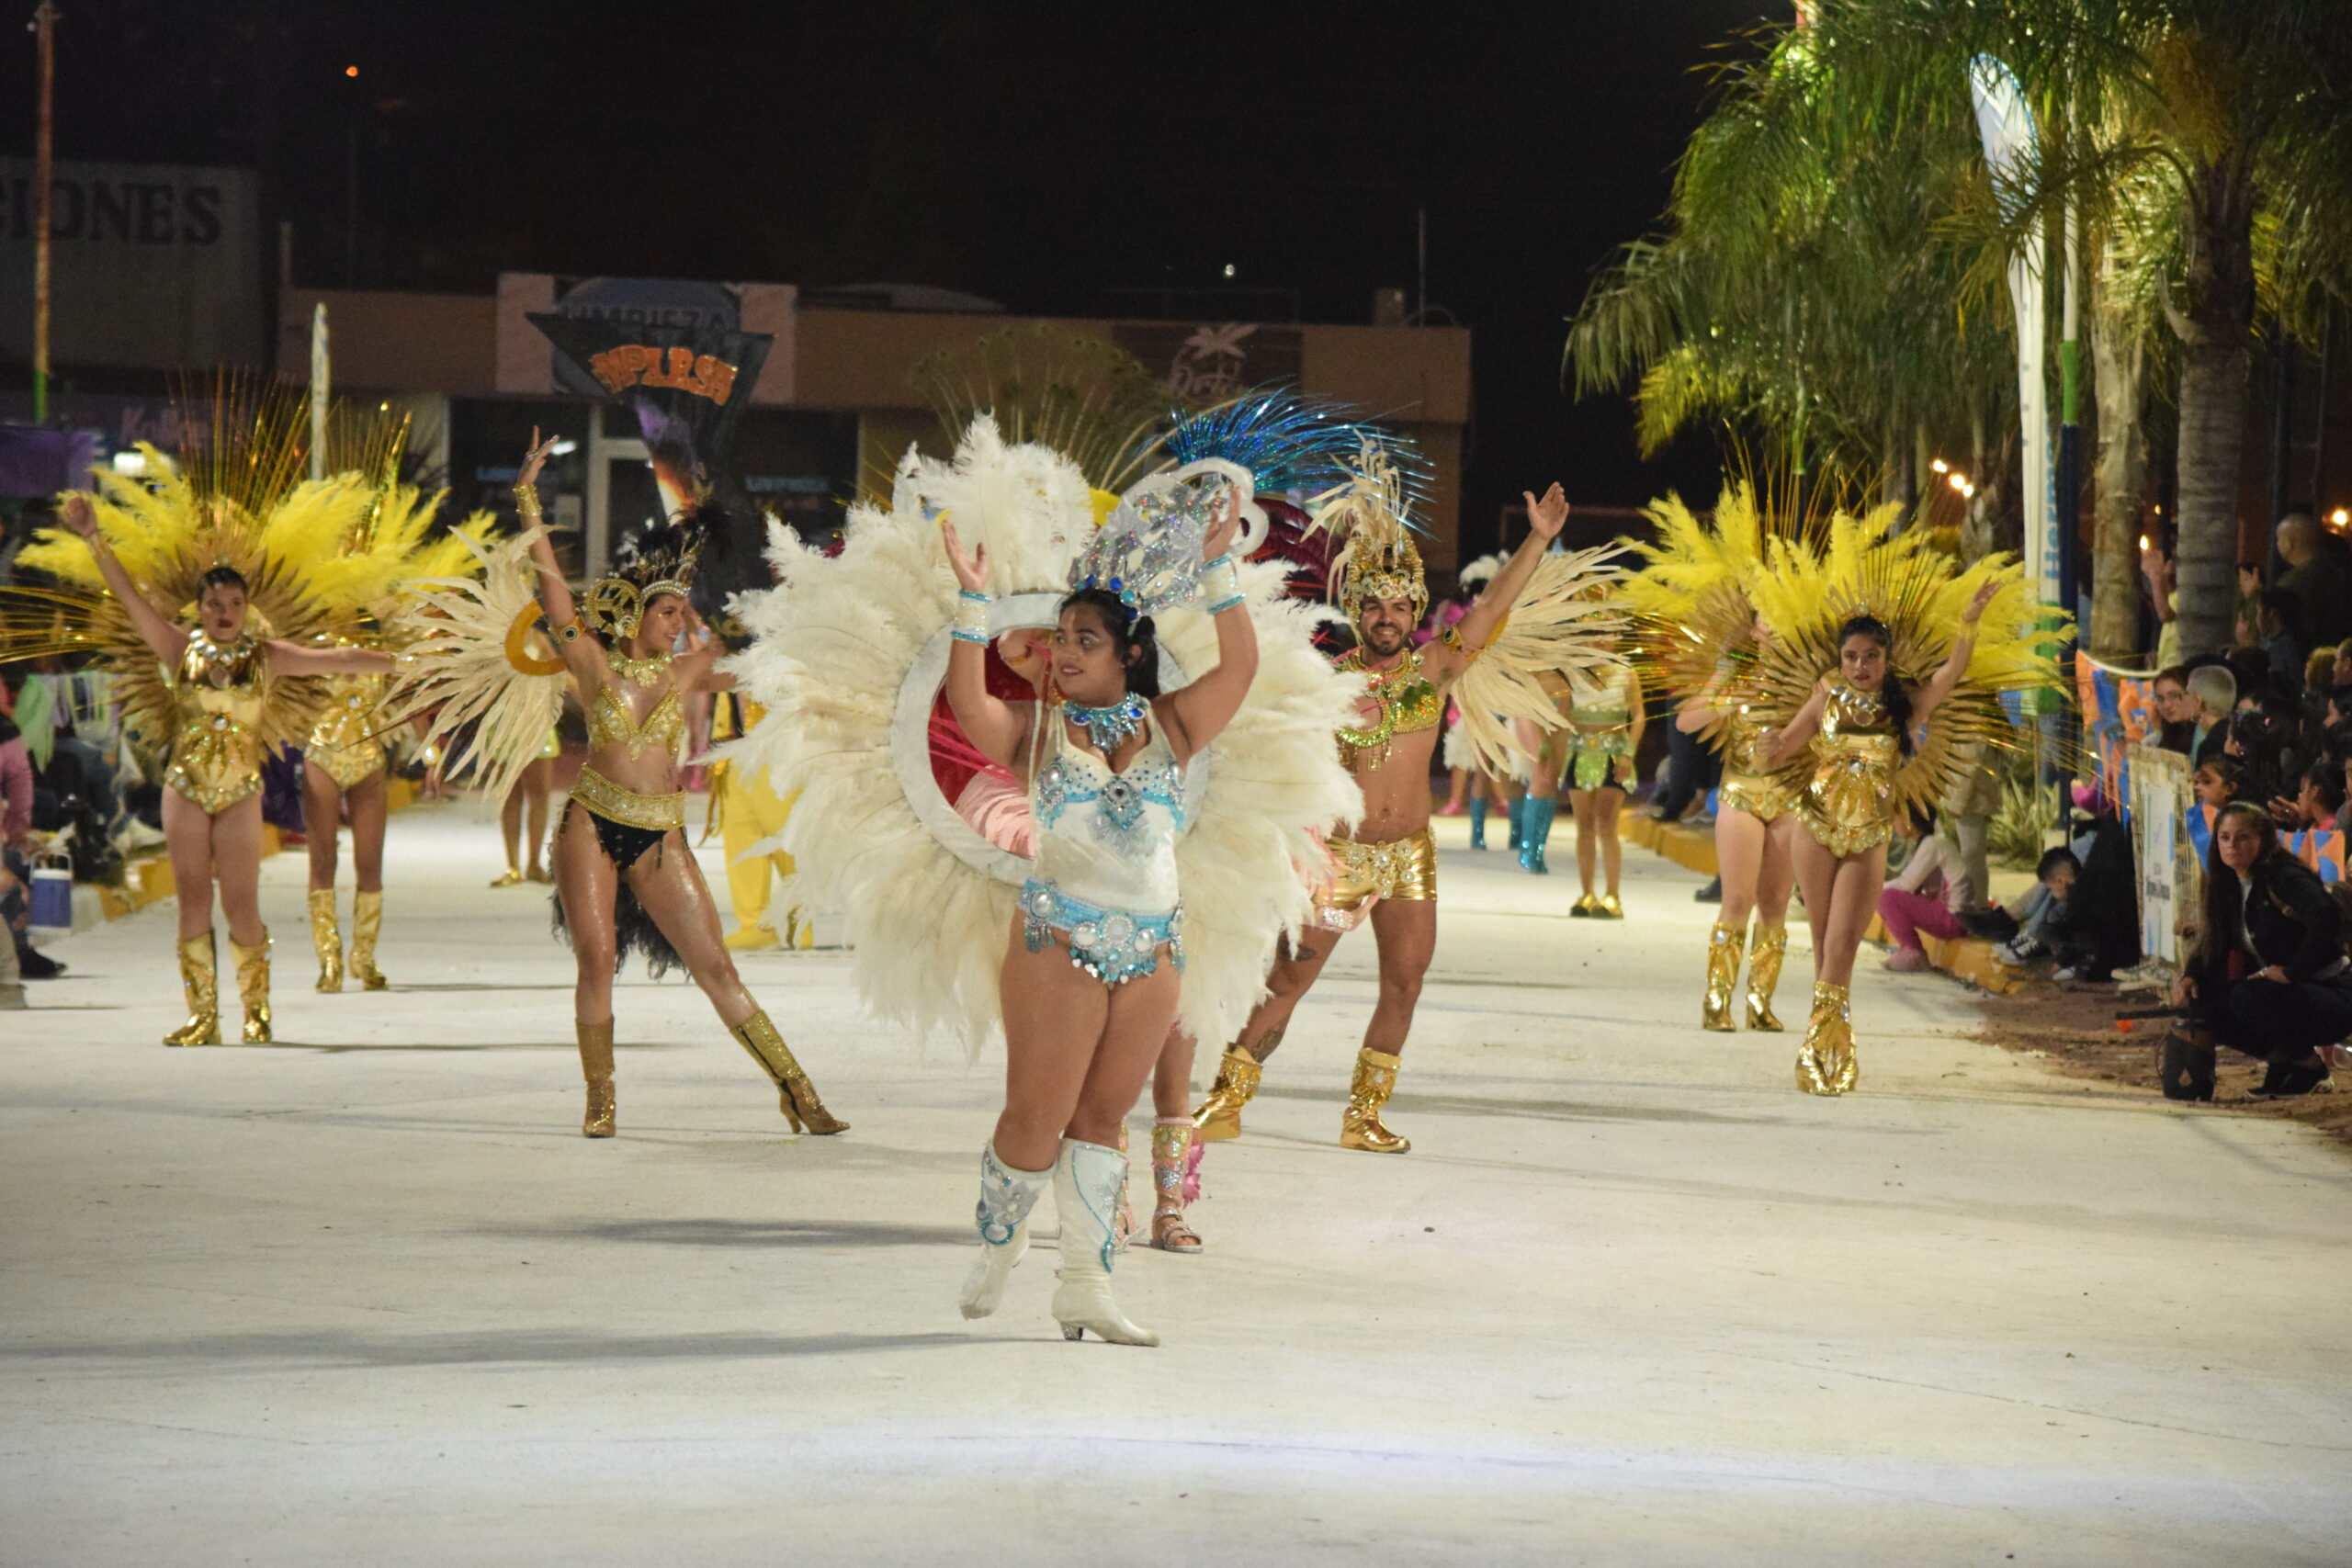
2118,708
2161,807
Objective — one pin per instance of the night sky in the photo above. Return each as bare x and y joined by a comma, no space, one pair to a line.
1064,159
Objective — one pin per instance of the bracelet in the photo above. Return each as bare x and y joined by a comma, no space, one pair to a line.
1221,581
971,616
527,501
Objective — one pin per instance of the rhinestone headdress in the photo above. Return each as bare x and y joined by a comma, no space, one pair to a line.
1148,550
1379,559
661,562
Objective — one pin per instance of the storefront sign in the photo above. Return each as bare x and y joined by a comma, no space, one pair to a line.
155,266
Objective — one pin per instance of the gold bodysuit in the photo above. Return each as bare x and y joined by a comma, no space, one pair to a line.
217,696
1746,786
1409,703
344,742
1850,802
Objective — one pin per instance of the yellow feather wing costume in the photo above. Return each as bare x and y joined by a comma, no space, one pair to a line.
1805,596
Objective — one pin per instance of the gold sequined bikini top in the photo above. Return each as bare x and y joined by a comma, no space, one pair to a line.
1409,704
610,723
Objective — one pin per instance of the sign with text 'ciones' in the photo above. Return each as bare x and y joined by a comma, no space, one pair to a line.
155,266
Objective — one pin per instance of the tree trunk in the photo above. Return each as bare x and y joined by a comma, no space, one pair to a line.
2216,334
2212,435
2118,365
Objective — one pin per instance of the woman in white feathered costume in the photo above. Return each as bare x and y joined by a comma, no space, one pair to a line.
1137,816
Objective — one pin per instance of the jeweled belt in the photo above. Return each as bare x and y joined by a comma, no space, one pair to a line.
657,813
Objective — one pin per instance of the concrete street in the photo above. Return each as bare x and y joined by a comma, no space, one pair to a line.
366,1296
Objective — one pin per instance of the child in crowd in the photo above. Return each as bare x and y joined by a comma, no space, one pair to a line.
1926,898
2040,911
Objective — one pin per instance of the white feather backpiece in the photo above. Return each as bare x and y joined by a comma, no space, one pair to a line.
464,632
833,646
1567,618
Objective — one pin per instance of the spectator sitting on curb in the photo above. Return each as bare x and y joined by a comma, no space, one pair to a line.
2267,974
1927,897
16,889
2040,909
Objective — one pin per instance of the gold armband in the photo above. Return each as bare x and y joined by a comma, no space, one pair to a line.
527,502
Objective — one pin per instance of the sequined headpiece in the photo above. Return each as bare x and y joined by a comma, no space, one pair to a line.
1148,550
1378,559
664,562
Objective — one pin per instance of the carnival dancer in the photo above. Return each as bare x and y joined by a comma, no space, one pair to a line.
345,757
1696,593
625,879
749,812
231,693
1592,757
1090,974
1384,866
1880,743
523,817
925,866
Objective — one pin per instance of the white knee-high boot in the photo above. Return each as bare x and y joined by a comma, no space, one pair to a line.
1087,1178
1006,1197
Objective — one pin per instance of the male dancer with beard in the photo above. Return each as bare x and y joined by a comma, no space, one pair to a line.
1387,866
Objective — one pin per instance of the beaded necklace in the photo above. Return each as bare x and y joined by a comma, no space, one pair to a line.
1107,726
641,672
1408,703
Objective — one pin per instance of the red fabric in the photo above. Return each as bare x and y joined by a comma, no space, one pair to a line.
954,758
1909,914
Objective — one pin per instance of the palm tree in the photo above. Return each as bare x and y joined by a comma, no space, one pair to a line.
1835,237
2216,135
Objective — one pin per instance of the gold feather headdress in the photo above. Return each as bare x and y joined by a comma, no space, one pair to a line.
1372,517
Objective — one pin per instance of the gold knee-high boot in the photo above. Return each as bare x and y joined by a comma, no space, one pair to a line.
596,1067
366,923
326,938
201,982
253,985
795,1095
1360,1125
1764,956
1219,1115
1723,945
1825,1059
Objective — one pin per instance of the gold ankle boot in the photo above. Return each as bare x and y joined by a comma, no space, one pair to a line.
1825,1059
1723,945
326,938
1360,1125
253,985
201,982
795,1095
1238,1073
1764,956
366,923
596,1067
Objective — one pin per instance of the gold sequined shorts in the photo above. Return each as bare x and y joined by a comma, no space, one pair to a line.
1759,797
1365,873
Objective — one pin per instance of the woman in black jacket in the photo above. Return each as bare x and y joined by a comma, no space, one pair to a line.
2268,976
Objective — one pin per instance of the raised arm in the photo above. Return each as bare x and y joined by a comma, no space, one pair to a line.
155,628
989,723
293,659
582,656
1483,619
1198,714
554,594
1955,667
